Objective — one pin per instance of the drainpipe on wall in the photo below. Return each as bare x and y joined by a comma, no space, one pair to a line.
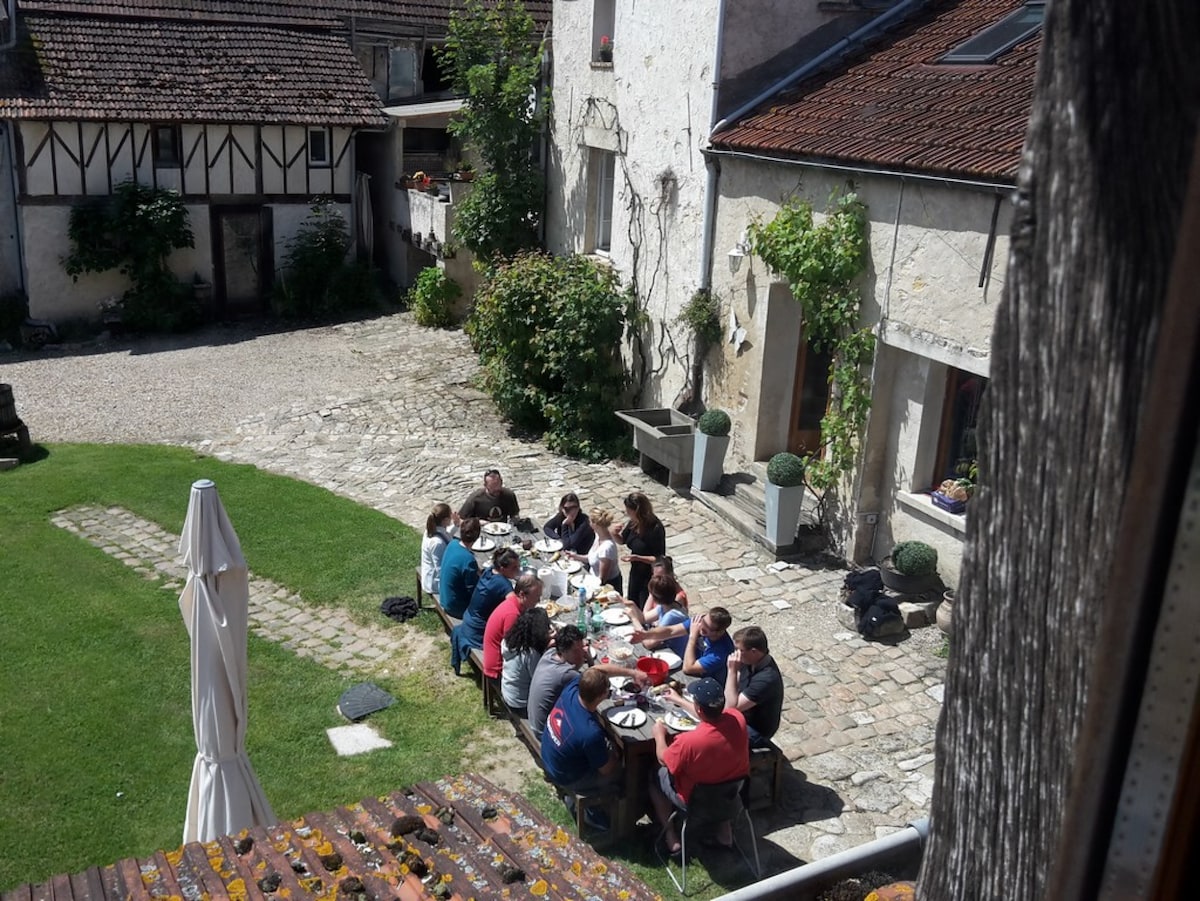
10,8
10,140
712,167
710,198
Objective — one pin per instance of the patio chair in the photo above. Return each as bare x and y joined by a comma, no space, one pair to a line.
709,806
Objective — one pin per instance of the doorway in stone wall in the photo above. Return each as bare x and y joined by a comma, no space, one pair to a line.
242,258
810,399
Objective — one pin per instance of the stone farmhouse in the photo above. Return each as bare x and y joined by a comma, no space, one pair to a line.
249,109
666,154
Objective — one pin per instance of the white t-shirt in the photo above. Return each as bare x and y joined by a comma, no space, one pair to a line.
601,550
432,549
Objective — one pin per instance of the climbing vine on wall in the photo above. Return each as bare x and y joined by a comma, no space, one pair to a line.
821,262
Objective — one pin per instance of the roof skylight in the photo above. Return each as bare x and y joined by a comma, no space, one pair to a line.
993,41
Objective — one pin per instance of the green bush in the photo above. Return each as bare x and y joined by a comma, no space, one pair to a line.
308,283
549,331
432,297
785,470
715,423
914,558
134,230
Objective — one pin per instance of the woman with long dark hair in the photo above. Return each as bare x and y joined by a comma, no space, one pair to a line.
521,650
646,540
570,525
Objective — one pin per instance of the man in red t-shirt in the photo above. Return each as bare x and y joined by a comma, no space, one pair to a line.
526,594
717,750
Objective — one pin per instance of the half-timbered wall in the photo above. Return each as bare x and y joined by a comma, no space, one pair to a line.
74,159
10,252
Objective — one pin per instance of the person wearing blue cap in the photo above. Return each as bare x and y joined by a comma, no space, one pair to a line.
717,750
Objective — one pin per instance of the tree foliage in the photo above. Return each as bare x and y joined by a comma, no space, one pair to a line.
494,58
432,297
134,230
548,331
822,262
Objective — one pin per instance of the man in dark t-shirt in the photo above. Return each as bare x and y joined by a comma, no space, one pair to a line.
493,502
754,685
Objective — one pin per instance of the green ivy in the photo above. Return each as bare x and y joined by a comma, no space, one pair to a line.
548,331
134,230
493,56
431,298
702,315
822,263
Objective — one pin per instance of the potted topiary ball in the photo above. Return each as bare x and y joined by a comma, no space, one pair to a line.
785,493
708,451
911,569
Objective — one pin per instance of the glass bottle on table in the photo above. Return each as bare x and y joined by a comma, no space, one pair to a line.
581,616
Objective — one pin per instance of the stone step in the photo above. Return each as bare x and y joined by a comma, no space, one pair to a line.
740,500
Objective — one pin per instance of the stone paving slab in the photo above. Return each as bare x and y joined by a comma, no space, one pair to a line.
405,427
329,636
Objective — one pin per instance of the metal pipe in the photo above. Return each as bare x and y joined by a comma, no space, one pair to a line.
10,138
996,187
908,842
712,169
875,25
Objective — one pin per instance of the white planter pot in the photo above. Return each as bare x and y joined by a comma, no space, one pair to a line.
783,513
708,460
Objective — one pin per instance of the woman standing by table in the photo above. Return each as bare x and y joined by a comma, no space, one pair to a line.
601,557
646,540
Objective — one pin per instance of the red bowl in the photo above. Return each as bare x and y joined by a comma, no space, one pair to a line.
654,668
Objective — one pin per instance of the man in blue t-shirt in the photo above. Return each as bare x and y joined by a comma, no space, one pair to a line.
708,642
575,751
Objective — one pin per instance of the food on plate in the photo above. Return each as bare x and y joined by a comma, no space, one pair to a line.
622,653
680,721
553,609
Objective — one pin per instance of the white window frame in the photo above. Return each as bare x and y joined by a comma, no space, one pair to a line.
320,160
604,183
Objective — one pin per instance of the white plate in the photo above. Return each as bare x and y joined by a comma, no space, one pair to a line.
547,545
483,545
627,717
496,528
679,722
672,660
585,580
614,616
625,632
619,683
569,566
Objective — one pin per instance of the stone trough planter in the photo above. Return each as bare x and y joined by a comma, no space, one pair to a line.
665,436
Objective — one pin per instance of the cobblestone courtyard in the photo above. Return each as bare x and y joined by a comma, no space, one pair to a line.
385,412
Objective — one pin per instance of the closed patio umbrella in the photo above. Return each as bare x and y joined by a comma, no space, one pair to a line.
225,796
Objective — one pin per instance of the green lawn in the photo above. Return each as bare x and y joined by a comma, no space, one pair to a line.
95,714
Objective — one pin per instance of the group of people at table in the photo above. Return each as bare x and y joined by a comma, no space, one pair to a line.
546,673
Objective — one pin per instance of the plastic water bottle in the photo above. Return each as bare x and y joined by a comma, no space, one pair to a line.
581,617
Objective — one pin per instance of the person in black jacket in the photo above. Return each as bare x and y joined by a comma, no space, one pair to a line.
571,526
646,540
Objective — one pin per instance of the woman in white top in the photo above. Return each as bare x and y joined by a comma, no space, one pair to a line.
602,559
433,546
521,649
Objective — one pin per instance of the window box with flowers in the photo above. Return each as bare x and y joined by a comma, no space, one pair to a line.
605,50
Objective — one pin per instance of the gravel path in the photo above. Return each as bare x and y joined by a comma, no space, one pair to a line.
178,389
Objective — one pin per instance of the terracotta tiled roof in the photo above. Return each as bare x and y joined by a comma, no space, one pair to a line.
459,837
893,105
106,69
330,13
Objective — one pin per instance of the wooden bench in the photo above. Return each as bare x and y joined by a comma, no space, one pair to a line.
421,588
766,769
583,802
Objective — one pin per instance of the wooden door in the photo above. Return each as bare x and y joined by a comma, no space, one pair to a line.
810,398
242,252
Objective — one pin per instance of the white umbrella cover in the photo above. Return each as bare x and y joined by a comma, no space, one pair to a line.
224,796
